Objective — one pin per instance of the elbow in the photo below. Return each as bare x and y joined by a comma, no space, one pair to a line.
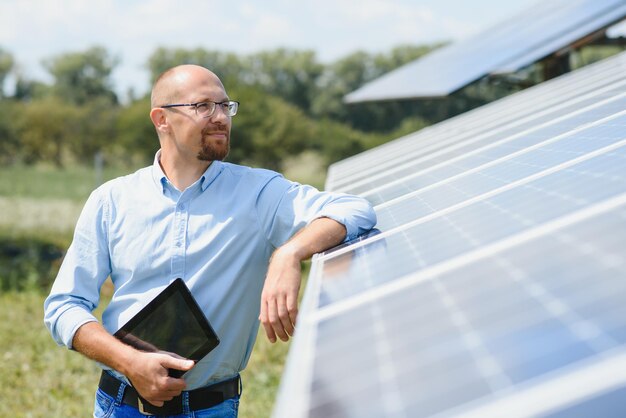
367,216
63,317
364,220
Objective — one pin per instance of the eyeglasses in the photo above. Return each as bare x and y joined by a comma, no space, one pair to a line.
207,109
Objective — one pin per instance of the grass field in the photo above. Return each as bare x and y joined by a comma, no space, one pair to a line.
39,379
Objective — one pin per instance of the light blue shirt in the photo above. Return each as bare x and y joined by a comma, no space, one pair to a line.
217,235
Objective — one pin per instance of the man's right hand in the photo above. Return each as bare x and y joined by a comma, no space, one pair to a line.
149,376
148,372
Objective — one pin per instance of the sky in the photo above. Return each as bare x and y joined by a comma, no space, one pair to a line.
131,30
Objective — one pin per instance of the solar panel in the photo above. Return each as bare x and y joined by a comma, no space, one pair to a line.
543,29
532,107
495,285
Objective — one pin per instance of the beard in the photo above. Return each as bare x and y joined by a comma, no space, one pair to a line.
211,151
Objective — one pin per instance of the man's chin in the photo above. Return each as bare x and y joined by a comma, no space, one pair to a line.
213,153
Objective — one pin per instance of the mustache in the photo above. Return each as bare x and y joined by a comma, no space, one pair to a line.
215,131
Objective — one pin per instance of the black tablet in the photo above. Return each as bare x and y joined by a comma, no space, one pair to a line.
172,322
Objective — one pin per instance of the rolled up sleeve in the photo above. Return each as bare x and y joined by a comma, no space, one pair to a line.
285,207
355,213
76,290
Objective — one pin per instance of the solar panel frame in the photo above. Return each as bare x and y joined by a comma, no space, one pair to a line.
544,28
597,24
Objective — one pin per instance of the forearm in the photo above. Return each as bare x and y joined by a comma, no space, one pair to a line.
93,341
318,236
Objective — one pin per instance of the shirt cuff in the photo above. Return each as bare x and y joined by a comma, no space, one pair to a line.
69,322
355,224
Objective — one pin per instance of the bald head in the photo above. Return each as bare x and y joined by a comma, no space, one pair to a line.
173,84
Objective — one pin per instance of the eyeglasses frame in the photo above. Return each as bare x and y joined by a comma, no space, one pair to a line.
195,106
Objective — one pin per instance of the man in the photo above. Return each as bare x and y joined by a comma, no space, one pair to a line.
235,235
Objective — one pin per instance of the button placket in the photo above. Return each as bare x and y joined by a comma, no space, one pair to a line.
180,233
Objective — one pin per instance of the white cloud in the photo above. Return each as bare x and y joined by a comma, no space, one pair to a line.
133,29
263,27
367,11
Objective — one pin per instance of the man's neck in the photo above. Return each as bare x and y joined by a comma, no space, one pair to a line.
183,175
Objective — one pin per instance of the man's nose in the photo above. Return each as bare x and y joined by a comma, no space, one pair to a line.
219,114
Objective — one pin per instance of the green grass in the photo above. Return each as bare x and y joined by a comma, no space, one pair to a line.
261,377
49,183
306,168
38,378
74,184
44,200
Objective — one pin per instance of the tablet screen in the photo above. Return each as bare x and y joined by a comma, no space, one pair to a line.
171,322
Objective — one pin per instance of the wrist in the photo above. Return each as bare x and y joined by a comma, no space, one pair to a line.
127,359
289,252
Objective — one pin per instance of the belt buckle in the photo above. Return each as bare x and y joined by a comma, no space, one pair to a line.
141,407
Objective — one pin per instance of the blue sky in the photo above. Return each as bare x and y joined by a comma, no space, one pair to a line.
131,30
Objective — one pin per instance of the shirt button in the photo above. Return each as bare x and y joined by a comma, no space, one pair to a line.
182,207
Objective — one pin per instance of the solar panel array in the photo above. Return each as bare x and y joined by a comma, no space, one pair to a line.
543,29
497,283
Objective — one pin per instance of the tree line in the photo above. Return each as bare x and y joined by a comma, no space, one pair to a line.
290,102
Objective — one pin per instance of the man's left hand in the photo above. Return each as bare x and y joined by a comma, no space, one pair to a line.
279,300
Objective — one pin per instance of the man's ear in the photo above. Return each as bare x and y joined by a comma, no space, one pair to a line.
159,119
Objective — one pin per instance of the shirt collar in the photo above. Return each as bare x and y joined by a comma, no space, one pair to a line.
160,179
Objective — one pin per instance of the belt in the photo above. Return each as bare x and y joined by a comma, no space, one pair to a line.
201,398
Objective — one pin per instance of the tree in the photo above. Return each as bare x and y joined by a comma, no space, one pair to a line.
9,144
400,55
267,129
340,78
44,128
6,65
289,74
96,129
285,73
83,76
352,72
26,89
136,135
228,66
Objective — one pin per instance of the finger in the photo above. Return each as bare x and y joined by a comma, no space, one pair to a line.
167,391
162,397
292,307
274,319
155,402
263,317
269,331
170,362
283,316
168,394
175,385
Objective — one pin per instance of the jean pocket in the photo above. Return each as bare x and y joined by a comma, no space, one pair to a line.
103,406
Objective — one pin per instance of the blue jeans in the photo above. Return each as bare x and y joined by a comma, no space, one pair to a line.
109,407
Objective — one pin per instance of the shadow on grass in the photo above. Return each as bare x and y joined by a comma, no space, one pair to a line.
28,263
